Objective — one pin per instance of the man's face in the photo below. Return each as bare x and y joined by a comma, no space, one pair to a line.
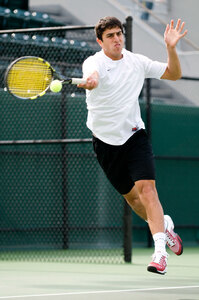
112,43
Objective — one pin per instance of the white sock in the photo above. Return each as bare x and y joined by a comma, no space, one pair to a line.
160,242
165,224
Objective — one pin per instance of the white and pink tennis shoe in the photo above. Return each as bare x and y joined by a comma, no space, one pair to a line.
159,263
173,240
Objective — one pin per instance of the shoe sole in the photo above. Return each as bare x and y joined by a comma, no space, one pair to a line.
180,241
181,250
154,270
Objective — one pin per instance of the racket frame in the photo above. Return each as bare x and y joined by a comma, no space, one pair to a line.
20,59
55,75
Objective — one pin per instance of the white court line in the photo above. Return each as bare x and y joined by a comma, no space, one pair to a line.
101,292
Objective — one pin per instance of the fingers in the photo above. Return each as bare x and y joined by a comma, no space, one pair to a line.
179,27
91,83
178,24
167,28
173,34
185,32
171,24
182,26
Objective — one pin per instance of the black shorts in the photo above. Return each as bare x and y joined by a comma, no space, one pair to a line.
125,164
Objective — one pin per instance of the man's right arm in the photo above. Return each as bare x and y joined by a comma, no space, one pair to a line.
91,81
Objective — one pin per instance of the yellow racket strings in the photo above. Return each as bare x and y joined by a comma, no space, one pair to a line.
29,77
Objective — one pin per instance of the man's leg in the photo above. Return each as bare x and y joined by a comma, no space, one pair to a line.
149,199
174,242
134,202
144,200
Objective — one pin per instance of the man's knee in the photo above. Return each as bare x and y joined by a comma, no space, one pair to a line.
146,189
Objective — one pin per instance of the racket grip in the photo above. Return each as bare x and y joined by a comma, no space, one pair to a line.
78,80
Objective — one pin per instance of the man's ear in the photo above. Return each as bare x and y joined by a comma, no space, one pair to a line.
99,42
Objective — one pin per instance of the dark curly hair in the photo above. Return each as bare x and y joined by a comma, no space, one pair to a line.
107,23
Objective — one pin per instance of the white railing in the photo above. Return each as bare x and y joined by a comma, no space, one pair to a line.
135,7
152,13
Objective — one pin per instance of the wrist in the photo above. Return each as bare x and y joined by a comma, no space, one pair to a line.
170,47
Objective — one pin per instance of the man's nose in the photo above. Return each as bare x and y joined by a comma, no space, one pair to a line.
116,37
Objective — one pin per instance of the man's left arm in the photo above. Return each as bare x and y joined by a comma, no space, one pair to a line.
172,36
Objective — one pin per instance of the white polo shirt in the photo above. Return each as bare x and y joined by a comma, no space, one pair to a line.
113,107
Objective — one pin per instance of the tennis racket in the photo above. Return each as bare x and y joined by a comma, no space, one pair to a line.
30,77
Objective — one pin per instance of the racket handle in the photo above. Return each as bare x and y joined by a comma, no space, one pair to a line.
78,80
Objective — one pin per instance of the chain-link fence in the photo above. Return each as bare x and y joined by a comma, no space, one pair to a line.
55,200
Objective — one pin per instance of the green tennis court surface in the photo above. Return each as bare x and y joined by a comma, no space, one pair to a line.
37,280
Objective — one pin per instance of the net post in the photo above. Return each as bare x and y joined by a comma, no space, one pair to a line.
127,217
148,129
128,33
65,240
148,107
127,221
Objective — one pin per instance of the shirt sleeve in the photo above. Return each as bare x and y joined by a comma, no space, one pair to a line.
152,69
89,66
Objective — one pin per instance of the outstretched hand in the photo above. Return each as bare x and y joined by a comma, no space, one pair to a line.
173,35
91,82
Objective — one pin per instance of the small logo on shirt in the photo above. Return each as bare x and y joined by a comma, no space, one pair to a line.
134,129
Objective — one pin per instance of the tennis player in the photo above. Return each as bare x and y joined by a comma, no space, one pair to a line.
115,78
